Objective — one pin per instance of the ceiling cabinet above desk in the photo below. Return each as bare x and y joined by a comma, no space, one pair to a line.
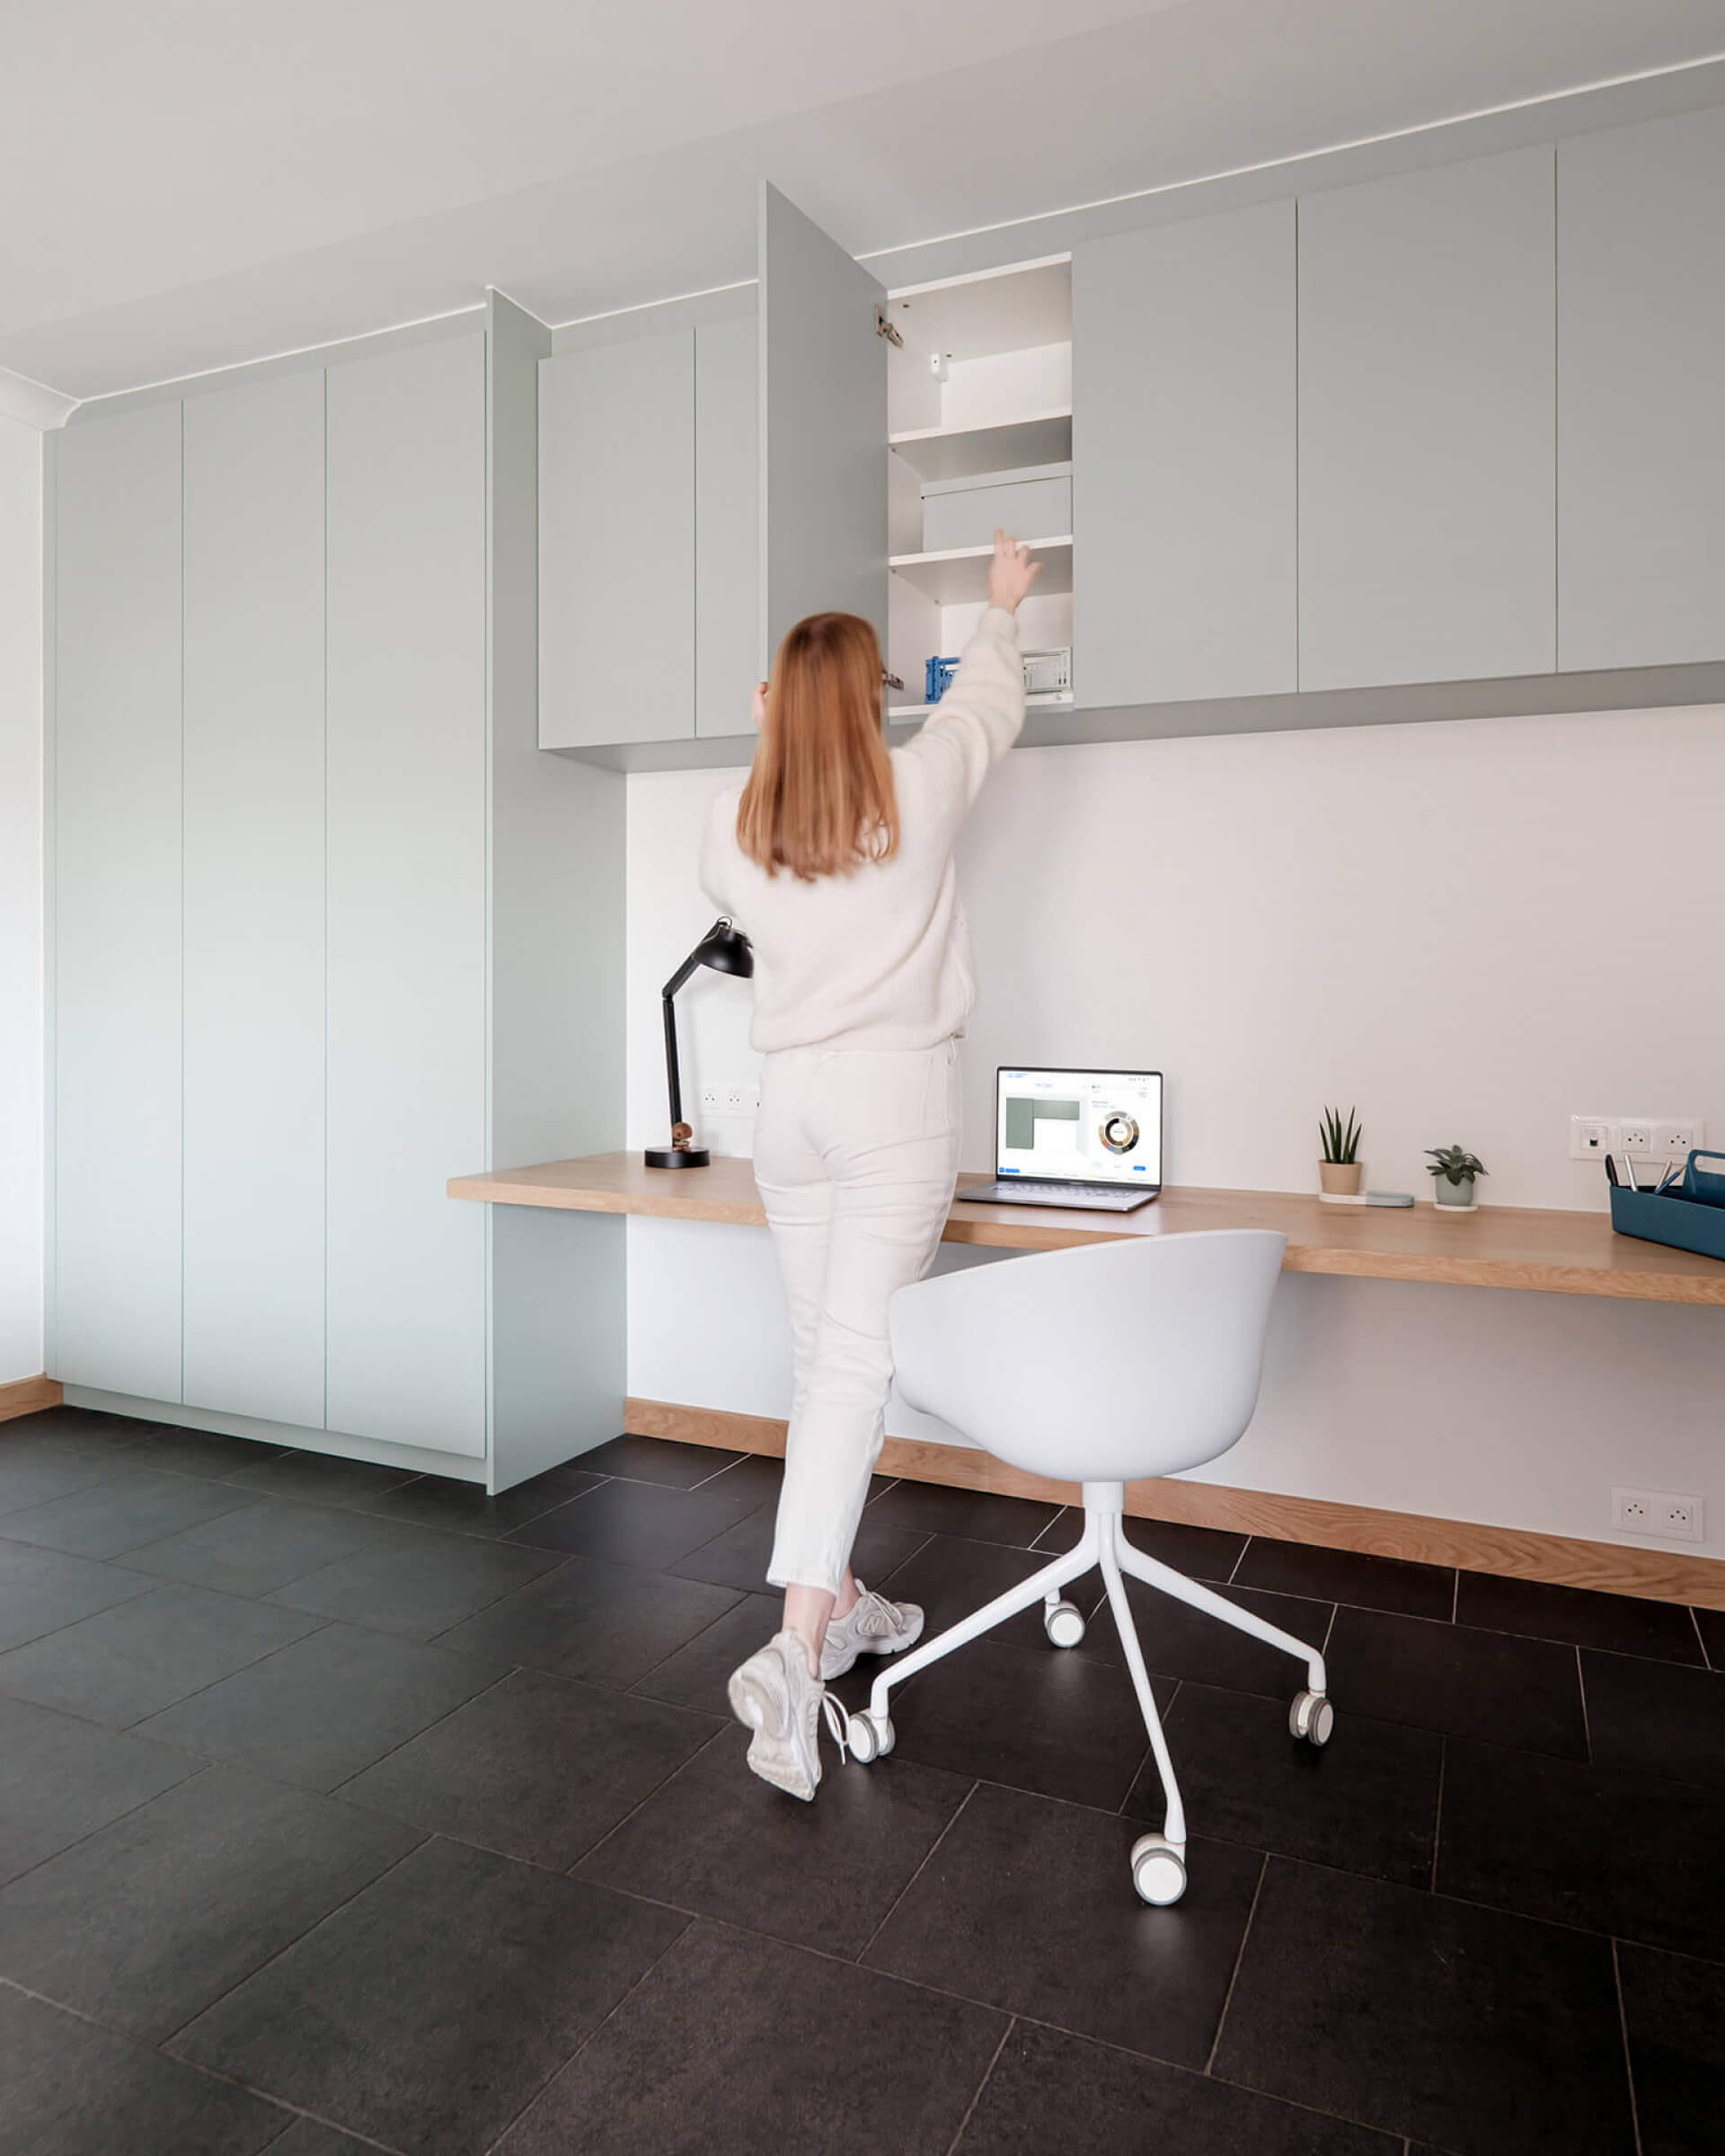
1436,443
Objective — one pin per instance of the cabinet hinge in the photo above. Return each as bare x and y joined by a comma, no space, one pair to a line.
883,325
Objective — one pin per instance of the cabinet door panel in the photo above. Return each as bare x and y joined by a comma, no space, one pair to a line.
727,525
1640,448
116,1315
1428,409
1183,512
616,543
823,428
254,899
406,805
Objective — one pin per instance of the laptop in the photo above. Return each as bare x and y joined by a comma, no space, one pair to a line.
1086,1139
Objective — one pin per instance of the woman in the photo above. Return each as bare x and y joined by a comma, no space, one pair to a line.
836,859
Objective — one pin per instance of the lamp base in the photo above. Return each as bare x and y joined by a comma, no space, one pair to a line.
677,1157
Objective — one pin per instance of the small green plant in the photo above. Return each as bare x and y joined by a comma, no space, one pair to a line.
1455,1163
1339,1144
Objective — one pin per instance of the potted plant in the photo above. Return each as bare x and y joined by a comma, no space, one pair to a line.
1453,1170
1339,1161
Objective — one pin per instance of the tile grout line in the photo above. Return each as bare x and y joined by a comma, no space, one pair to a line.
1234,1570
1629,2062
270,1961
1581,1693
199,1768
1233,1978
987,2074
347,1780
552,2079
227,2080
958,1812
572,1871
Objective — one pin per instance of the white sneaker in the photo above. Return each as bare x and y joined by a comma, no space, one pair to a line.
773,1695
872,1626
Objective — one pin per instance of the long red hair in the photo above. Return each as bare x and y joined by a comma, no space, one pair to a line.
820,799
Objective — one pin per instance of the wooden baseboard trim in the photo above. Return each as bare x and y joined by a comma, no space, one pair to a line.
1519,1553
27,1395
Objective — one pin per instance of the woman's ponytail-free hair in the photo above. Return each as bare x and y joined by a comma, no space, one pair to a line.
820,799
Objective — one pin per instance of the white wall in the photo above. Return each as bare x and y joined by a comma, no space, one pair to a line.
1471,929
20,901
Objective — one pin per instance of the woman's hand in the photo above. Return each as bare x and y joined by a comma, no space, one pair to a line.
1010,573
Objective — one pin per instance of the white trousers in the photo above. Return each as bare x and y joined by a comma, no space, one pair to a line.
856,1154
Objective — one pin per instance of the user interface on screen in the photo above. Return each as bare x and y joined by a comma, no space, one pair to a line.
1096,1127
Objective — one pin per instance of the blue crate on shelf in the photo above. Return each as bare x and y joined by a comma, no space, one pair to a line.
937,678
1688,1216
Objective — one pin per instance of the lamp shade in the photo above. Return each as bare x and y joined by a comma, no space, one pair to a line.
726,949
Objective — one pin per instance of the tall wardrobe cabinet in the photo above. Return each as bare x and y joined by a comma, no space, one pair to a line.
327,929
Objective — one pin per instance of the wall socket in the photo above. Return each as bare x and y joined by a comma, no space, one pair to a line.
729,1099
1675,1515
1663,1138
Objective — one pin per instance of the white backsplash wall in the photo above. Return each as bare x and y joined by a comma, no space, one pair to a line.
1469,930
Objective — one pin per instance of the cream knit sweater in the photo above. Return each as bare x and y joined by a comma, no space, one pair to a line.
880,957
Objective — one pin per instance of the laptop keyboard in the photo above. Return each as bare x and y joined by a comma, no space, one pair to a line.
1085,1198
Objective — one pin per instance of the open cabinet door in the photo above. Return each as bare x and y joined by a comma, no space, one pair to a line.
823,428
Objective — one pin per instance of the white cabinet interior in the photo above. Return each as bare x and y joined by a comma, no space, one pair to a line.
979,419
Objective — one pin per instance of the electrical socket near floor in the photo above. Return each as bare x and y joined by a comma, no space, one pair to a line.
1666,1138
1676,1515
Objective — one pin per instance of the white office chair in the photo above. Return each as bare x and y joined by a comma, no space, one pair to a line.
1099,1367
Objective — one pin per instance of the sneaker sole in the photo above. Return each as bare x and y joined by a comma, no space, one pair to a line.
772,1752
880,1647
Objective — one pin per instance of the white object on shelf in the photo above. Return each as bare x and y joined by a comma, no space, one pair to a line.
939,453
954,575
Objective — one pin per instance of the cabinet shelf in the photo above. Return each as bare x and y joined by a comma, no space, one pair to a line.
959,575
901,714
1041,437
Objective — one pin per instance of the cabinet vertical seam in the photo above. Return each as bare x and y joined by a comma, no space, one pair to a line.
182,901
326,899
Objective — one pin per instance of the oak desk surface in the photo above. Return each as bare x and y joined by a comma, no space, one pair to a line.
1561,1253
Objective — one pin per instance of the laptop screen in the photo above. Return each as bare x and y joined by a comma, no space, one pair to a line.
1079,1127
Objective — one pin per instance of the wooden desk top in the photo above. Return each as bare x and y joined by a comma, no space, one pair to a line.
1561,1253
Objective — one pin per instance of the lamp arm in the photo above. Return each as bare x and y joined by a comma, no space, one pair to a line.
673,1082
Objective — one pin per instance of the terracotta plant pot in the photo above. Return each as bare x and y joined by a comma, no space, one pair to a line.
1339,1178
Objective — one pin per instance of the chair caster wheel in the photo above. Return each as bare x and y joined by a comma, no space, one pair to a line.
1311,1717
869,1738
1064,1623
1158,1871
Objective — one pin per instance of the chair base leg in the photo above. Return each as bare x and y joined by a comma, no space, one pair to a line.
1041,1587
1158,1859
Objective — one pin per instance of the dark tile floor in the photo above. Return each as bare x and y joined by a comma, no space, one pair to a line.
345,1811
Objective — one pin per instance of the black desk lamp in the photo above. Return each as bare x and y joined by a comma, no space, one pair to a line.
727,950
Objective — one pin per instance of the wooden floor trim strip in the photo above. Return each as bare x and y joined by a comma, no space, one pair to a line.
1560,1560
27,1395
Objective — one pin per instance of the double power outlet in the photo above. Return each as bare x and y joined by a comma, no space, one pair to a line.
729,1099
1667,1138
1674,1514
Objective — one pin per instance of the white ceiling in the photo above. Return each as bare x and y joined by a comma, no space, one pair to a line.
196,185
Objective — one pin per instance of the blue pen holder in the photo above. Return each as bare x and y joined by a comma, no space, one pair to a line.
1688,1216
